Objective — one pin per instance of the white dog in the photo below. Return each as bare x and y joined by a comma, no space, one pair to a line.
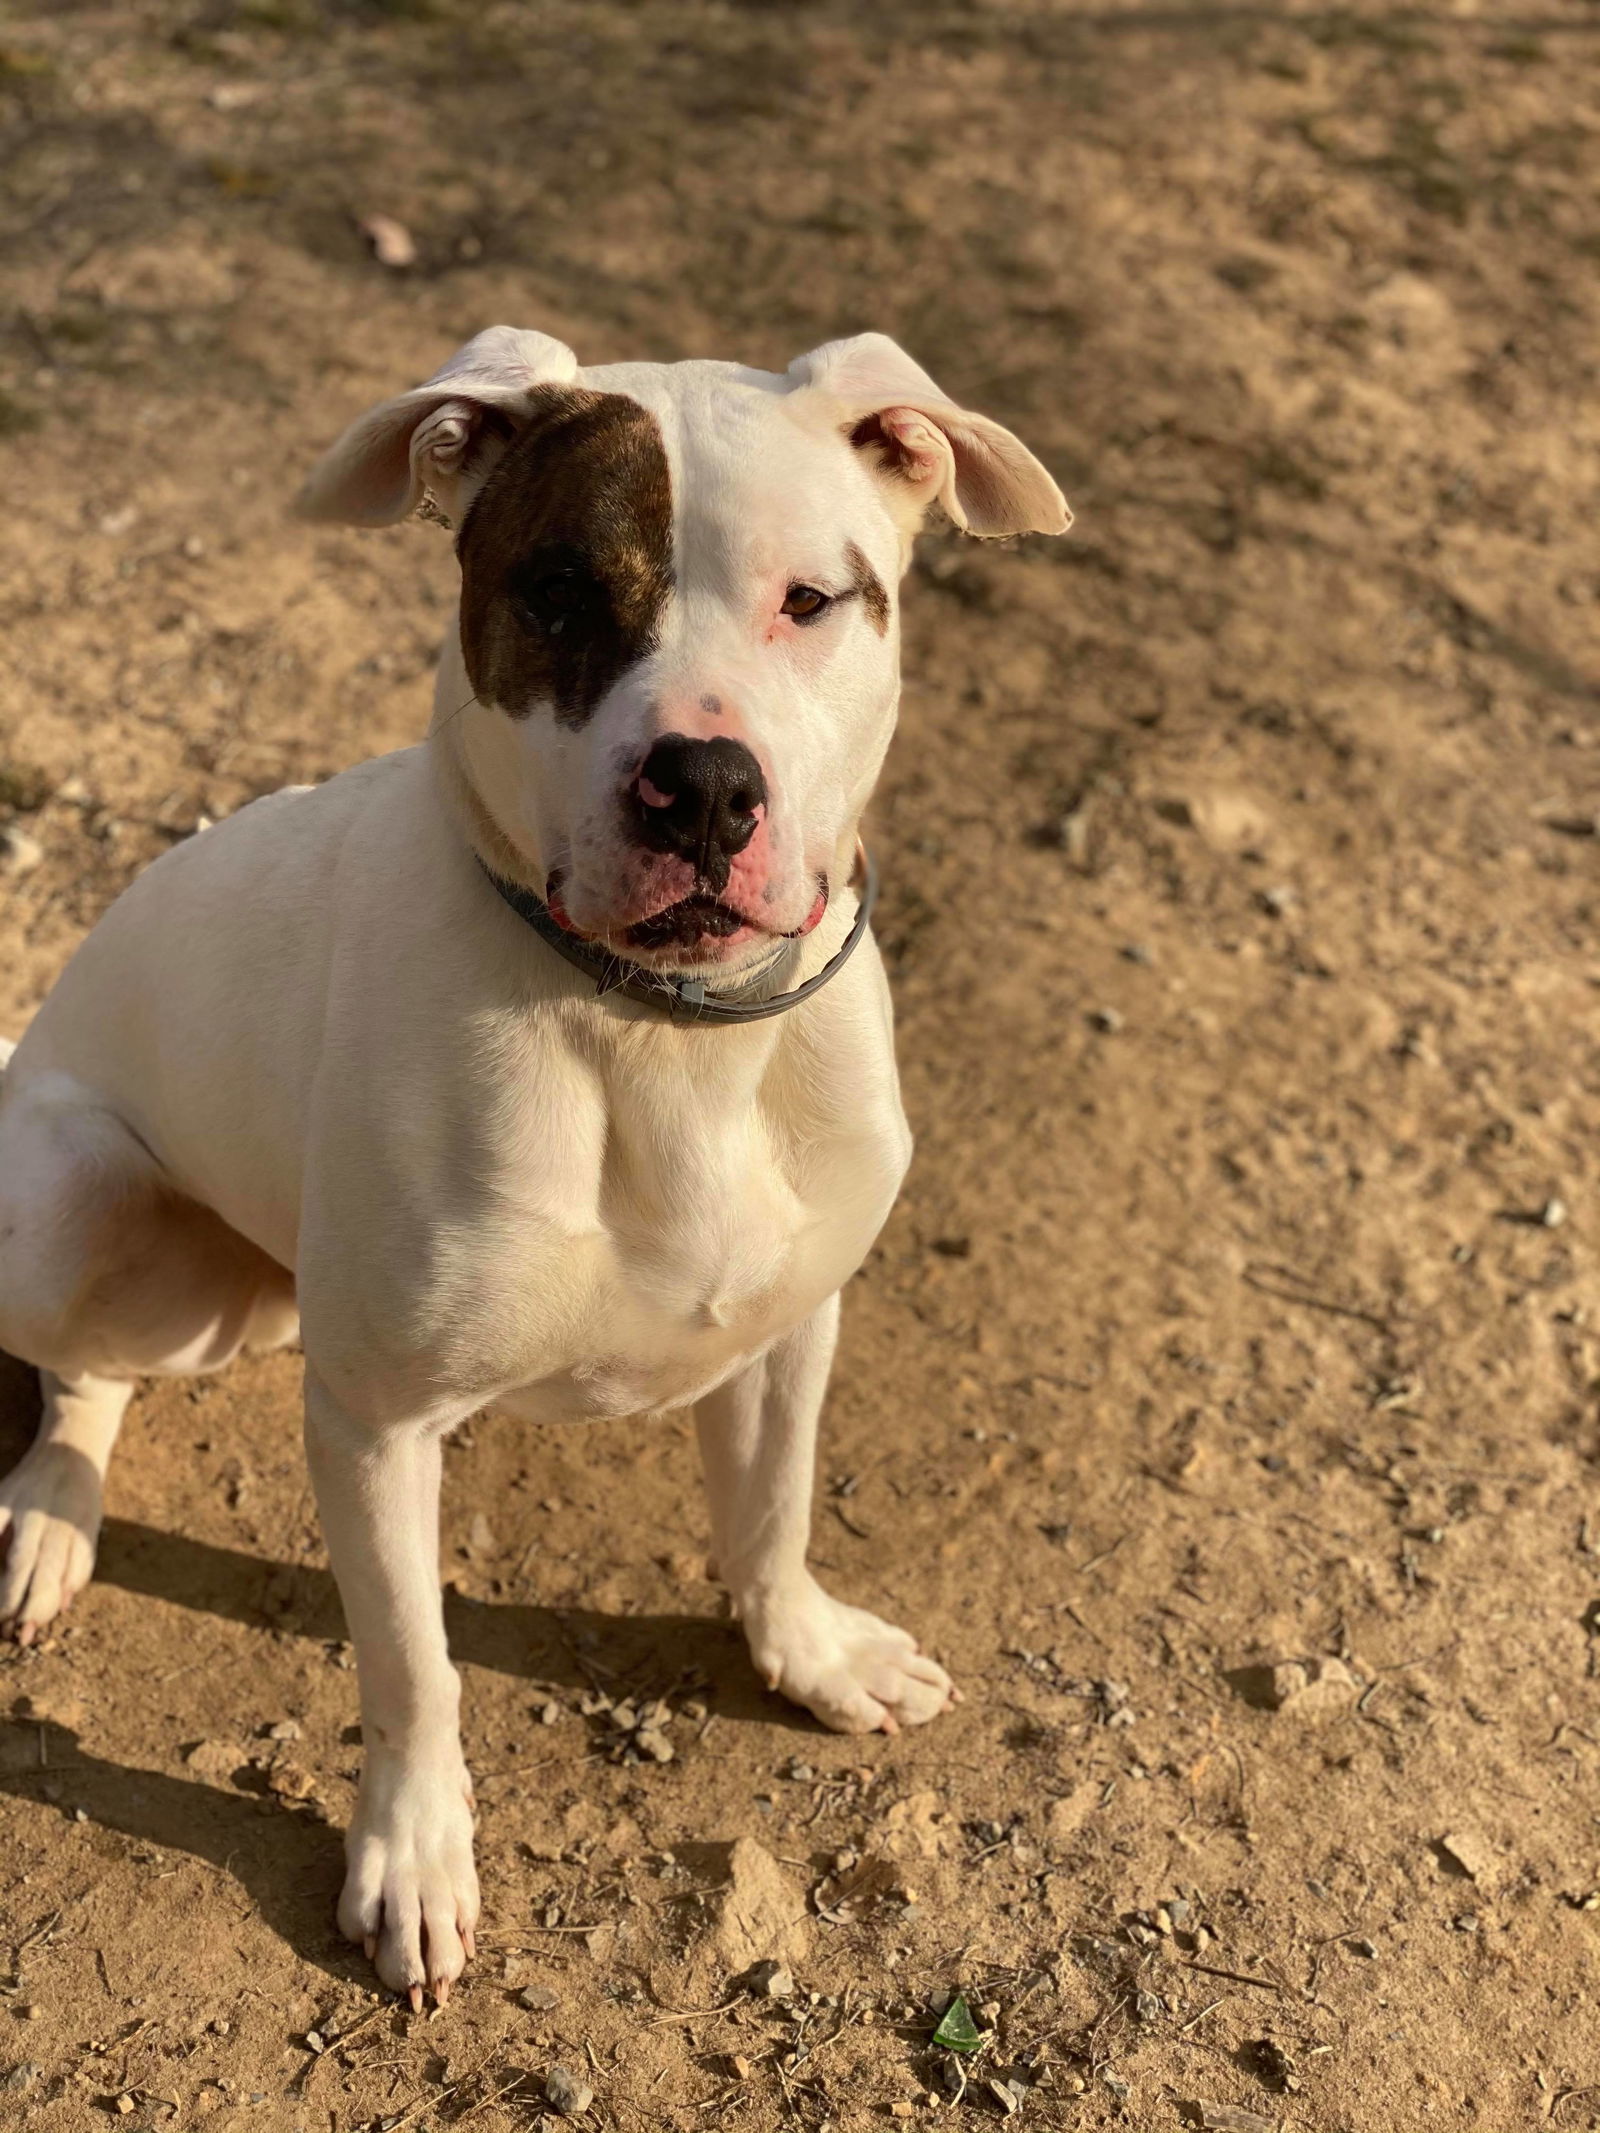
330,1063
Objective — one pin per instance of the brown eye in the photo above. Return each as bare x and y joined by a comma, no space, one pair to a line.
805,603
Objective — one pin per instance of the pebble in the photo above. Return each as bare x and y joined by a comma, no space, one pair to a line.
569,2093
480,1536
1553,1213
285,1729
19,852
392,243
290,1782
900,2108
652,1742
1363,1948
771,1981
21,2077
538,1999
1106,1019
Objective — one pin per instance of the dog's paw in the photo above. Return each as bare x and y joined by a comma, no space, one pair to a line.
50,1520
858,1675
411,1891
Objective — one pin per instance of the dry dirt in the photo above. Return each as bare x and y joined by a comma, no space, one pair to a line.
1240,885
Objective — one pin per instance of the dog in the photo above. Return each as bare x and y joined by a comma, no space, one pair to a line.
547,1065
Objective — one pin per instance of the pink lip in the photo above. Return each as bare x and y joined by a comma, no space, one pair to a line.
712,945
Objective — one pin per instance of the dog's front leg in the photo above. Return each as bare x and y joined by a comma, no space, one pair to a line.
758,1438
410,1892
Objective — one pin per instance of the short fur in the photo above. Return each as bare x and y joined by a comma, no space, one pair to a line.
311,1061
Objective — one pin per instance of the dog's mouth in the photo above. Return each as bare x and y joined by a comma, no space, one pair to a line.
703,922
686,923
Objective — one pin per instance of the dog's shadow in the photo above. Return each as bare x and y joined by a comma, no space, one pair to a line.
290,1863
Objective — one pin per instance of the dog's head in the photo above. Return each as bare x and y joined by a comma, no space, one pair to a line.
678,660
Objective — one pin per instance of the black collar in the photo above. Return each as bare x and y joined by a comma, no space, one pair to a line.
688,996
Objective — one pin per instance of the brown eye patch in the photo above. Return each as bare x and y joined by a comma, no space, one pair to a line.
566,555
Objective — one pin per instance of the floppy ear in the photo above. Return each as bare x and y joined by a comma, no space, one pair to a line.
443,436
988,483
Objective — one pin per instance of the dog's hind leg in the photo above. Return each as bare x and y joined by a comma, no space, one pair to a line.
107,1273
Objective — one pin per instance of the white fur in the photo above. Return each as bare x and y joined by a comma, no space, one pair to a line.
313,1038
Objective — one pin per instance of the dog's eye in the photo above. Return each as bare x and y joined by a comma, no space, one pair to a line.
549,596
805,603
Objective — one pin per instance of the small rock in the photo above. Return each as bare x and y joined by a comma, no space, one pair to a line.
290,1782
315,2041
900,2108
1228,2118
538,1999
1106,1019
126,2104
1004,2095
19,853
1309,1688
739,2066
285,1730
392,243
1466,1923
569,2093
23,2076
1364,1948
213,1758
651,1742
480,1536
1553,1213
770,1981
1467,1853
548,1713
761,1917
236,95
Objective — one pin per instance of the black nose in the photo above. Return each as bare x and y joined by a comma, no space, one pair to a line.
698,801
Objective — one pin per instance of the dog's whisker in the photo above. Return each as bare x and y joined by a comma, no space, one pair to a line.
451,717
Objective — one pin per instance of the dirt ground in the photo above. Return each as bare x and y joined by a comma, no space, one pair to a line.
1222,1403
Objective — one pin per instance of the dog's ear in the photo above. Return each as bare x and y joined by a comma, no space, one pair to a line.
443,436
935,451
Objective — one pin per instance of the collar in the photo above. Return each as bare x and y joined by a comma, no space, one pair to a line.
688,997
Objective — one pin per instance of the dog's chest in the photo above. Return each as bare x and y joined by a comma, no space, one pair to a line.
671,1305
703,1250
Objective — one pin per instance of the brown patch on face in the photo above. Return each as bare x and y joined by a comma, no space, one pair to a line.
865,581
566,555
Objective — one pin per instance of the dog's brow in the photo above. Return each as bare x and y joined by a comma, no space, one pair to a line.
865,582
